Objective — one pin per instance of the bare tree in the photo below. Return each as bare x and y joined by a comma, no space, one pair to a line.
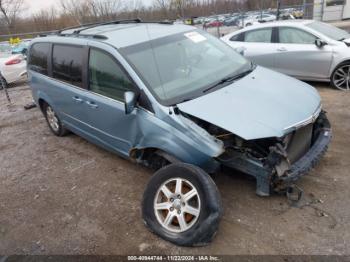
9,10
78,10
75,12
163,5
45,19
104,9
83,11
135,9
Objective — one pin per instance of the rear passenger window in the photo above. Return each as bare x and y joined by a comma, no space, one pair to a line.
259,36
67,64
106,77
38,58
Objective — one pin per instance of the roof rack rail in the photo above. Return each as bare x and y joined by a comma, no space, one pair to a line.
87,26
84,27
159,22
92,25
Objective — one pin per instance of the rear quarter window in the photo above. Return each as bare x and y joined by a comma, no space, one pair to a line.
38,58
67,63
237,38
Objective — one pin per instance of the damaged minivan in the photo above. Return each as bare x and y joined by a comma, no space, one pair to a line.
180,101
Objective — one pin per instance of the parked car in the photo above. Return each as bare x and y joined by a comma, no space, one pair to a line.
298,14
13,68
22,47
286,16
214,23
13,64
198,20
5,48
233,20
181,101
305,49
255,19
266,18
247,20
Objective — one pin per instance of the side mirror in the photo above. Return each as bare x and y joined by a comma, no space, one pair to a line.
320,43
130,101
240,50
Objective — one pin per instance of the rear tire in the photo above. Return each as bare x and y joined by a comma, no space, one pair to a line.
182,205
53,121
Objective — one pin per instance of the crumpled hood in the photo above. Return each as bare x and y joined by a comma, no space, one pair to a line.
262,104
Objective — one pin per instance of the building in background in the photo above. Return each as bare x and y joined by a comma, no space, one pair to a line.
330,10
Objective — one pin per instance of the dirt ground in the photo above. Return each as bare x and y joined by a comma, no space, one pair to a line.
67,196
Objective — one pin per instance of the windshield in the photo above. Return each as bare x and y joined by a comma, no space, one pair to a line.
330,31
180,67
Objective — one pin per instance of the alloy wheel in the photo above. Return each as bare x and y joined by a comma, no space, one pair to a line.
341,77
177,205
52,119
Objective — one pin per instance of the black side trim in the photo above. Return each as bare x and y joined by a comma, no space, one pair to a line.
144,102
275,36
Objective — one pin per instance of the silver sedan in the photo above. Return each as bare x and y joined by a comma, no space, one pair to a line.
305,49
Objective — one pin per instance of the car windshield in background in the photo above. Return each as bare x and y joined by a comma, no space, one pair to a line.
180,67
5,48
19,49
330,31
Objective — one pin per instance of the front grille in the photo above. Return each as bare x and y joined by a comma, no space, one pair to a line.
299,143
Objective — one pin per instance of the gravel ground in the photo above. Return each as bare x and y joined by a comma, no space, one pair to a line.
67,196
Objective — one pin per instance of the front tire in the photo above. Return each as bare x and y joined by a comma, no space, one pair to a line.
53,121
182,204
340,78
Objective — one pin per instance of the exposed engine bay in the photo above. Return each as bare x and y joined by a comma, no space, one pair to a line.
270,160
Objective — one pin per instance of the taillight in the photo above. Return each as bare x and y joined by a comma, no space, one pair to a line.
14,61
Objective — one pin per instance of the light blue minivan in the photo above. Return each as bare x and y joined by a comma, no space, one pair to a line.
182,102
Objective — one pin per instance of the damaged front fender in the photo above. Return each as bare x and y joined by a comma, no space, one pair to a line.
179,138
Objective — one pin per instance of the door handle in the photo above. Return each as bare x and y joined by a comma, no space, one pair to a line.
282,49
77,99
91,104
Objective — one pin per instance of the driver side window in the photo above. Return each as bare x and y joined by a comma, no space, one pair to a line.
288,35
106,77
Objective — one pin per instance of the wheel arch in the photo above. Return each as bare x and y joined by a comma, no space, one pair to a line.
42,98
138,154
343,62
41,103
142,155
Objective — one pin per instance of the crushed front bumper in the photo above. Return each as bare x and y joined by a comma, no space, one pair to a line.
311,158
266,175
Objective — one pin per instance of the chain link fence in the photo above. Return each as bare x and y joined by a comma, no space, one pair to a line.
321,10
221,24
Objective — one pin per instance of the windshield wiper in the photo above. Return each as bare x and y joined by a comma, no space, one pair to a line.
230,79
342,39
